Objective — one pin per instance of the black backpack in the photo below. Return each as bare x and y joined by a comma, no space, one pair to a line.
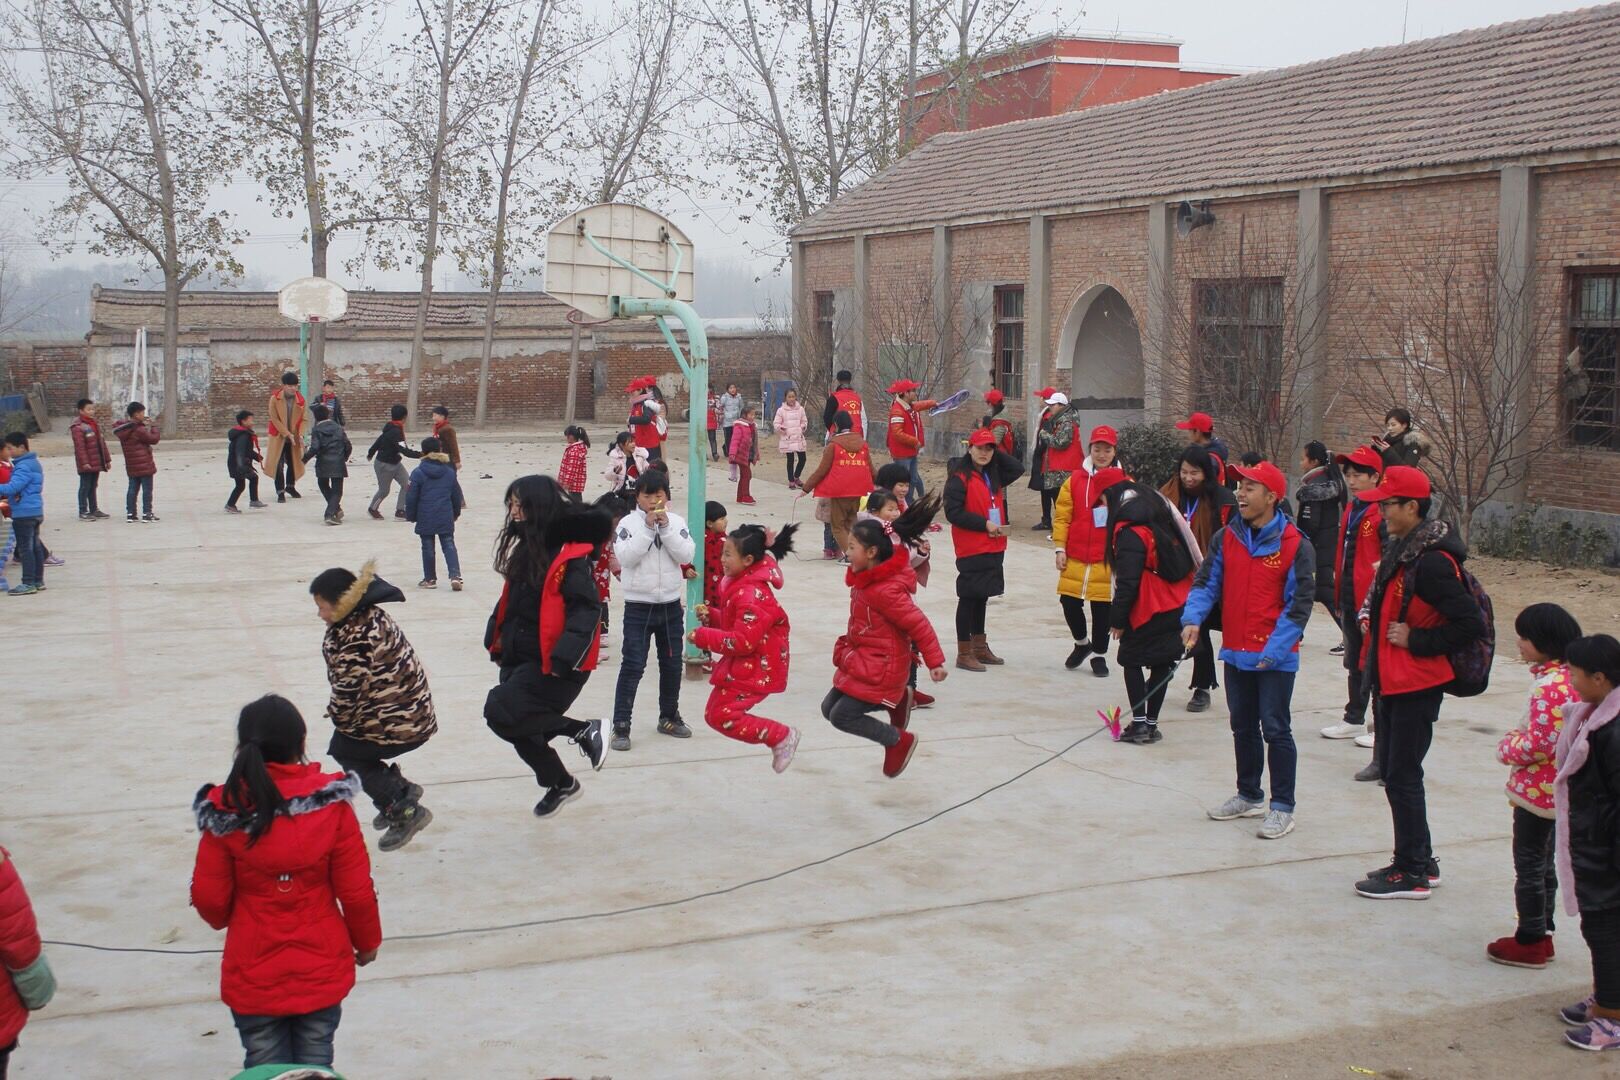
1471,664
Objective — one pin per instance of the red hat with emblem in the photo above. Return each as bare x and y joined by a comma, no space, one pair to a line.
1365,456
1399,482
1266,474
1105,434
982,437
902,386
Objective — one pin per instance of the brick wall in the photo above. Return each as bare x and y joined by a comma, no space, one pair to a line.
59,365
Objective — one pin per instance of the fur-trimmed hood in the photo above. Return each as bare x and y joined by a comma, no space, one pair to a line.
443,459
580,525
368,590
304,786
1435,534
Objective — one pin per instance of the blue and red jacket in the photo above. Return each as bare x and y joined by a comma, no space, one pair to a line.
1264,580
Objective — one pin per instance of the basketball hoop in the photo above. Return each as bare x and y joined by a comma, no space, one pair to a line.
307,301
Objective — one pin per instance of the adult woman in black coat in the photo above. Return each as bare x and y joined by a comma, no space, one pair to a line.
1321,497
976,507
1152,570
1037,468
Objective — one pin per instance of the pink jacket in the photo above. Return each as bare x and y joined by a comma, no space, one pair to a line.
744,448
791,423
1530,749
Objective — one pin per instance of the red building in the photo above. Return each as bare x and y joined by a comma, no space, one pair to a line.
1055,75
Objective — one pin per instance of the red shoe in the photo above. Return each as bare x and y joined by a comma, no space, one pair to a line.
900,715
898,756
746,502
920,700
1508,951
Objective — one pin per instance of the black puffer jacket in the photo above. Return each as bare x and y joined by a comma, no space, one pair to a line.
1593,812
1321,498
330,447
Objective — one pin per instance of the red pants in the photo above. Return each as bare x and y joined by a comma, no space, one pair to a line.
745,474
727,712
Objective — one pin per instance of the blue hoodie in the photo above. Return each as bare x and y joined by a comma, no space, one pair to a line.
434,499
26,488
1297,598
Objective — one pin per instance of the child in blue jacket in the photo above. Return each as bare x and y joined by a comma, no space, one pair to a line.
434,502
26,492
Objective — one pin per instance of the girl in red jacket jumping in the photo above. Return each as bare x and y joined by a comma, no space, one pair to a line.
873,657
282,869
26,983
749,631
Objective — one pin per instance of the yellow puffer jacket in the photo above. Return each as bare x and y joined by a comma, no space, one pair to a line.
1083,580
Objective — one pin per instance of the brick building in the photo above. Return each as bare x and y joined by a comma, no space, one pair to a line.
235,345
1054,74
1315,217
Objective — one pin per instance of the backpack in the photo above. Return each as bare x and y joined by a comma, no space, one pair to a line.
1471,664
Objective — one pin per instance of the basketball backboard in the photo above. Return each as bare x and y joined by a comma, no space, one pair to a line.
583,277
312,299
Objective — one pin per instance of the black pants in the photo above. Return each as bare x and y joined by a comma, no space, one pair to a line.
1203,662
714,451
1355,702
1048,500
526,709
1405,730
1146,705
285,481
1074,613
384,783
1535,875
250,482
332,488
87,493
5,1057
854,717
970,614
795,464
1601,929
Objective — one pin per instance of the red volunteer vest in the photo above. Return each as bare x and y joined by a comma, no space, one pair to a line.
1086,539
910,424
646,435
980,501
850,402
1401,671
1252,590
553,615
850,476
1071,457
1154,595
1368,551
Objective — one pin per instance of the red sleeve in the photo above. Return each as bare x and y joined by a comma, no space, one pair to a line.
747,630
213,882
351,883
904,613
19,934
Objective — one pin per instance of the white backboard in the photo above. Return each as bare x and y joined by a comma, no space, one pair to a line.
583,278
313,299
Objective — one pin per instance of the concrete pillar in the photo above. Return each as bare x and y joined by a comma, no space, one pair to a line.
1305,411
1515,302
944,310
1157,348
1037,332
860,345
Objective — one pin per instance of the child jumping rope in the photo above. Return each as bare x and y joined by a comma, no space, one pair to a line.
749,630
873,657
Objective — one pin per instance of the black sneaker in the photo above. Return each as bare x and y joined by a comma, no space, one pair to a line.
1199,702
1392,884
87,517
672,725
621,739
294,493
281,496
1433,874
1078,656
553,799
1099,667
590,744
132,519
412,794
150,517
412,820
1154,734
1369,771
1135,732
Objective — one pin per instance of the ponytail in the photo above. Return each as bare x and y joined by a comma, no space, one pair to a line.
269,730
911,525
754,541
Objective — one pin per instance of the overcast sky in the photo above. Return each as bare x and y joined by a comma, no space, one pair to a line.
1234,33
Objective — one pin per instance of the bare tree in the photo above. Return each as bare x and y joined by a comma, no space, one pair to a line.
110,93
1455,340
914,338
1239,339
293,90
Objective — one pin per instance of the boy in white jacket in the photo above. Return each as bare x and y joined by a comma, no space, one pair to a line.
652,545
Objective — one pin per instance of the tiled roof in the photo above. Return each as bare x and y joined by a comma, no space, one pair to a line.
1540,86
203,310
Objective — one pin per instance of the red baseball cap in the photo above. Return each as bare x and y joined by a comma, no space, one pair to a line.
1103,433
1264,473
982,437
994,397
901,386
1398,482
1198,421
1365,456
1045,392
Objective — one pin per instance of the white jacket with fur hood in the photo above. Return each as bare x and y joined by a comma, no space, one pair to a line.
650,559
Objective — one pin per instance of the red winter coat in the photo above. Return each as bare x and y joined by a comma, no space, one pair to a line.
298,904
90,453
749,631
19,947
873,657
138,440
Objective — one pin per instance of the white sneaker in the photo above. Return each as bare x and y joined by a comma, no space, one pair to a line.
1278,824
1365,740
782,752
1342,730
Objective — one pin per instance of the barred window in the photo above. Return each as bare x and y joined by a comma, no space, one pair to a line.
824,330
1238,344
1592,376
1008,376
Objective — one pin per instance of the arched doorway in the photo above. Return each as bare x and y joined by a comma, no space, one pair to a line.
1101,347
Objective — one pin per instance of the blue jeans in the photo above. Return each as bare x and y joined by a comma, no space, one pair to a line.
644,623
916,491
143,485
29,549
452,561
288,1040
1261,733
